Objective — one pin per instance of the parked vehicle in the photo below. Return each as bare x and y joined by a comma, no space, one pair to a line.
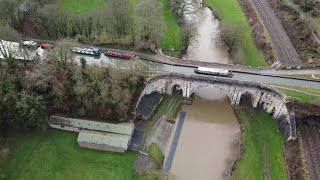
46,46
119,55
214,72
87,51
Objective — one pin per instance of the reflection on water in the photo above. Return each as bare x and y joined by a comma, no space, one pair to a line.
207,138
206,48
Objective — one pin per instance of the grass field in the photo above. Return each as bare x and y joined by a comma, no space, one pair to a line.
82,6
231,12
57,156
172,39
263,147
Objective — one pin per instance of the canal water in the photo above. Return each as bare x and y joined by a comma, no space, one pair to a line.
209,141
207,48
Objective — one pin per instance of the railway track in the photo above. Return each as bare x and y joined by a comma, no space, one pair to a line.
285,50
310,136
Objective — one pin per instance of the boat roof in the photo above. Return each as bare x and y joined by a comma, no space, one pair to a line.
213,70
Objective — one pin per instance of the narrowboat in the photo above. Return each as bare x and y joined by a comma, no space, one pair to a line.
87,51
214,72
119,55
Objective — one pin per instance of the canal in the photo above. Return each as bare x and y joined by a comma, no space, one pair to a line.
210,138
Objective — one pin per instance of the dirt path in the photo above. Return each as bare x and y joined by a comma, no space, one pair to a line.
287,54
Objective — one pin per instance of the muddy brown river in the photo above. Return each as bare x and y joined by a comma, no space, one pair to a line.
208,137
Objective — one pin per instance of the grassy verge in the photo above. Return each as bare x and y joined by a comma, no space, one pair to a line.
175,108
301,97
155,153
263,147
162,108
77,7
57,156
231,12
172,38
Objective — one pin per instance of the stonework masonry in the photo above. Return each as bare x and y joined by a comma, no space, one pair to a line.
264,97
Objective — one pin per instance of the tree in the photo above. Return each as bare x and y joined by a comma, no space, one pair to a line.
119,17
188,37
149,23
181,7
230,36
30,110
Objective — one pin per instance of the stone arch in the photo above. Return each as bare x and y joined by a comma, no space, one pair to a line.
176,87
247,98
213,86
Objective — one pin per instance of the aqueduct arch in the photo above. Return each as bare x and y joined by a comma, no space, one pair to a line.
263,97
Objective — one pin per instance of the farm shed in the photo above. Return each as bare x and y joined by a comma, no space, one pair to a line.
103,141
96,135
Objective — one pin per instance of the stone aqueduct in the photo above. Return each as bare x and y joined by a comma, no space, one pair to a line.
263,97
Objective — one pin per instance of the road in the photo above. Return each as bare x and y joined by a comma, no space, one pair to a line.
284,48
160,63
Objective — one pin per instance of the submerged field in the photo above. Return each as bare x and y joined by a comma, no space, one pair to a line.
231,12
56,155
263,156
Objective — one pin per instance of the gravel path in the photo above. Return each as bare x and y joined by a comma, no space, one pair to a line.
286,53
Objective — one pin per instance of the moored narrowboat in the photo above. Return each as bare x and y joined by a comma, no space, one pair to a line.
87,51
119,55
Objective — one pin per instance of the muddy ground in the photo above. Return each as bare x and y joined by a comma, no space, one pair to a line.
301,42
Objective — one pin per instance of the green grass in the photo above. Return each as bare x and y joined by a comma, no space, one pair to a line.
231,12
260,130
172,37
76,7
155,153
305,98
175,108
163,106
57,156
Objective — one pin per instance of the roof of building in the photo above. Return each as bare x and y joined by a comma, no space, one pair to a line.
100,138
122,128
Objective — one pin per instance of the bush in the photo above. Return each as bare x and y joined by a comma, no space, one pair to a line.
156,154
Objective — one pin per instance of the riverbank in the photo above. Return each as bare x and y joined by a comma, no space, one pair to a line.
263,147
55,155
231,12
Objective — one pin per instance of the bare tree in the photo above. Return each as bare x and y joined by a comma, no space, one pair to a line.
188,36
181,7
119,16
230,36
149,23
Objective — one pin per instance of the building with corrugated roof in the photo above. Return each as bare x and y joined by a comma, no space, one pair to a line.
96,135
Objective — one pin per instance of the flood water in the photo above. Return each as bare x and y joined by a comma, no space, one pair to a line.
207,48
209,137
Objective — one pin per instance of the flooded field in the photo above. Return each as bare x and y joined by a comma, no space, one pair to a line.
210,133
